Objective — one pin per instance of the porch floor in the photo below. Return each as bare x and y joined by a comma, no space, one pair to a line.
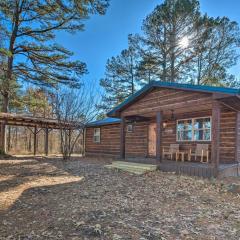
205,170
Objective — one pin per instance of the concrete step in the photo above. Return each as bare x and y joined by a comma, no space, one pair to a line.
131,170
136,168
150,167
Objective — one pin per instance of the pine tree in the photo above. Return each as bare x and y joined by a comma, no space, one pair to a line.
30,28
215,46
181,45
120,79
36,102
167,31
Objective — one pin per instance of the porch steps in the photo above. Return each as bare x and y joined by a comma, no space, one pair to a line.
136,168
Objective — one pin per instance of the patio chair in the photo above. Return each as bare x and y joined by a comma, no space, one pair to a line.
200,151
173,149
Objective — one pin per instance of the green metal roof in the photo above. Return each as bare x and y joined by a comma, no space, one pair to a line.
105,121
189,87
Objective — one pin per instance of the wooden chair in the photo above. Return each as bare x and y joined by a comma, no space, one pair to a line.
173,149
200,151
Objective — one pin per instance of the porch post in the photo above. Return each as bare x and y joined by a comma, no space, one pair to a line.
216,114
122,138
3,137
159,136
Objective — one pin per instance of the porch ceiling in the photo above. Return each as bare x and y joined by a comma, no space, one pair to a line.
180,111
232,102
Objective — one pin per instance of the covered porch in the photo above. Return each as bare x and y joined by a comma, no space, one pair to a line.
221,138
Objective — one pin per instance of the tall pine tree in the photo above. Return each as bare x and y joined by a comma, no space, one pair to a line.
166,34
32,55
215,45
120,79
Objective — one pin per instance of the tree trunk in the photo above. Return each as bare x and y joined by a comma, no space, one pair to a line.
164,59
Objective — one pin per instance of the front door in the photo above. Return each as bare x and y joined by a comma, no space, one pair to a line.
152,139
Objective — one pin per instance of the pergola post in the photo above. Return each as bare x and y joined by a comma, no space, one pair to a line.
3,137
69,140
216,114
35,141
159,121
46,141
122,138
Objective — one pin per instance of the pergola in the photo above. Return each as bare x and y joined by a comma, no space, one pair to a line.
37,123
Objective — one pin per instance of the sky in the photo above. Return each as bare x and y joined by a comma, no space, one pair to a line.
106,36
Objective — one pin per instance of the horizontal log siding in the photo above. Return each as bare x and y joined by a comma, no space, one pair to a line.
238,138
227,136
110,140
169,137
137,141
167,99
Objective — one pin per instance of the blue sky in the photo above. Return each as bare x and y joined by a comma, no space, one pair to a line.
105,36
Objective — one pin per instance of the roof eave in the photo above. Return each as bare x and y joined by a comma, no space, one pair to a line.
116,111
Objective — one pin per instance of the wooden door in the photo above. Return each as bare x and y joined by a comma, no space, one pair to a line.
152,139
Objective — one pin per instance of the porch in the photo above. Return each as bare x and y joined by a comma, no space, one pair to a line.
221,141
198,169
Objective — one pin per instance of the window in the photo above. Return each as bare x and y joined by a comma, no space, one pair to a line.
196,129
184,130
129,128
96,135
202,129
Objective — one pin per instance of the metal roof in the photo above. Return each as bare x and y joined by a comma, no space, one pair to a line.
105,121
187,87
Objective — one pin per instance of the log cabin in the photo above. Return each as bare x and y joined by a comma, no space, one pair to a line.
184,128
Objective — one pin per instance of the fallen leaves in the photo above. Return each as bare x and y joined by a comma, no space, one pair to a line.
81,200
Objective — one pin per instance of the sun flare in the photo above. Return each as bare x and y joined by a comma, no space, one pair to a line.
184,42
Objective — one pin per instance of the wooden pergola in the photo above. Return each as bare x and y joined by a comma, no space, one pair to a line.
37,123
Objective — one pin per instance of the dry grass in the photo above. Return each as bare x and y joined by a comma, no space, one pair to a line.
80,199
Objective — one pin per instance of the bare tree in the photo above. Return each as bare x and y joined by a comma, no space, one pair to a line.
73,109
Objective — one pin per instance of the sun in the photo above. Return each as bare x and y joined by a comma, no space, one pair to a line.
184,42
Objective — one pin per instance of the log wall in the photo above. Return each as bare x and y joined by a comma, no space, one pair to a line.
167,99
238,137
186,104
137,141
227,136
109,144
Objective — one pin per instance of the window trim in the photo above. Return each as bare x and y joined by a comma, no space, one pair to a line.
193,129
130,131
94,140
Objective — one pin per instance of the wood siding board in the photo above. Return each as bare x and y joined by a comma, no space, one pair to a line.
237,140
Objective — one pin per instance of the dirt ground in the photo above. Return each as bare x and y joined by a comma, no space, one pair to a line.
80,199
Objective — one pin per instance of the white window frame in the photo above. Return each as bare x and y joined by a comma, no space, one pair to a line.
130,130
193,129
97,134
